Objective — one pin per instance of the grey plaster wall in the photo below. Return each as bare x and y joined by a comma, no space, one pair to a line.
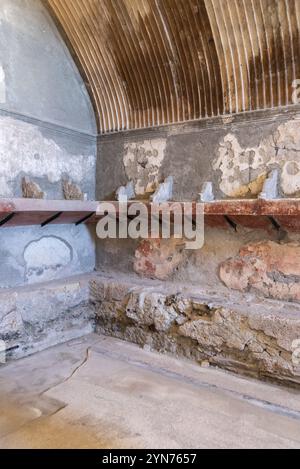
38,76
235,154
193,153
47,156
47,133
34,254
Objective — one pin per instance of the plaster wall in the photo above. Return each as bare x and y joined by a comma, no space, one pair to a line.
47,133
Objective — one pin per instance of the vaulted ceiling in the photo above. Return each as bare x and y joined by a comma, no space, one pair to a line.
153,62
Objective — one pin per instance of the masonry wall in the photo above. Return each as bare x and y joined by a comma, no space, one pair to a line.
236,155
252,271
47,133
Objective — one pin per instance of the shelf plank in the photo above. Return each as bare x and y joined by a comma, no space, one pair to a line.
252,213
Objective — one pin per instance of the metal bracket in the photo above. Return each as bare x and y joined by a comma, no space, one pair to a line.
230,222
82,220
275,223
49,220
7,219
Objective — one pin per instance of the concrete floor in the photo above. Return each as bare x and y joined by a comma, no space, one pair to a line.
99,392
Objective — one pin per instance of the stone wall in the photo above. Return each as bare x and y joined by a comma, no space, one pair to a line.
236,154
235,302
38,316
234,332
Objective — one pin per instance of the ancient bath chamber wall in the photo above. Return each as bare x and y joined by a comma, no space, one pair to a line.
235,302
236,155
48,134
171,300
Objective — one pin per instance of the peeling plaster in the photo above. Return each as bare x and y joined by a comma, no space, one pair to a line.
244,170
45,256
24,149
142,163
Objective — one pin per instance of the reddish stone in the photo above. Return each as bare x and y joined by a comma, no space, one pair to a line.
270,268
158,258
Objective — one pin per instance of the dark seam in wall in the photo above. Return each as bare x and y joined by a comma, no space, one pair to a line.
209,123
189,126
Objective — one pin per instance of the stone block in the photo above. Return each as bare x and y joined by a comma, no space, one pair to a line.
251,337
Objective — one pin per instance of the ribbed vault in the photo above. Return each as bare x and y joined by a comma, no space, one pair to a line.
152,62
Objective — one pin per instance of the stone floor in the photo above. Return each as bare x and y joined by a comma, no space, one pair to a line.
99,392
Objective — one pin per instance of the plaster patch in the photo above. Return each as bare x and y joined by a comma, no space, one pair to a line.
2,86
142,162
244,170
23,148
235,164
46,256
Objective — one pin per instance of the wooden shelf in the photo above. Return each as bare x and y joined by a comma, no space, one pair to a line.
22,212
281,213
251,213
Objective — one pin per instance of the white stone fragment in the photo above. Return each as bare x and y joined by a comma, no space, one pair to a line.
207,192
125,193
270,187
164,192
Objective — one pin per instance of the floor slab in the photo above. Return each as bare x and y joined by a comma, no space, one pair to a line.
99,392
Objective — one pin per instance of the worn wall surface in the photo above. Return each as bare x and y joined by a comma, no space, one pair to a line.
35,317
47,156
47,133
236,155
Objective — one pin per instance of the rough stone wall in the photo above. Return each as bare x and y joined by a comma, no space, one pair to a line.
36,317
235,332
238,333
270,268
